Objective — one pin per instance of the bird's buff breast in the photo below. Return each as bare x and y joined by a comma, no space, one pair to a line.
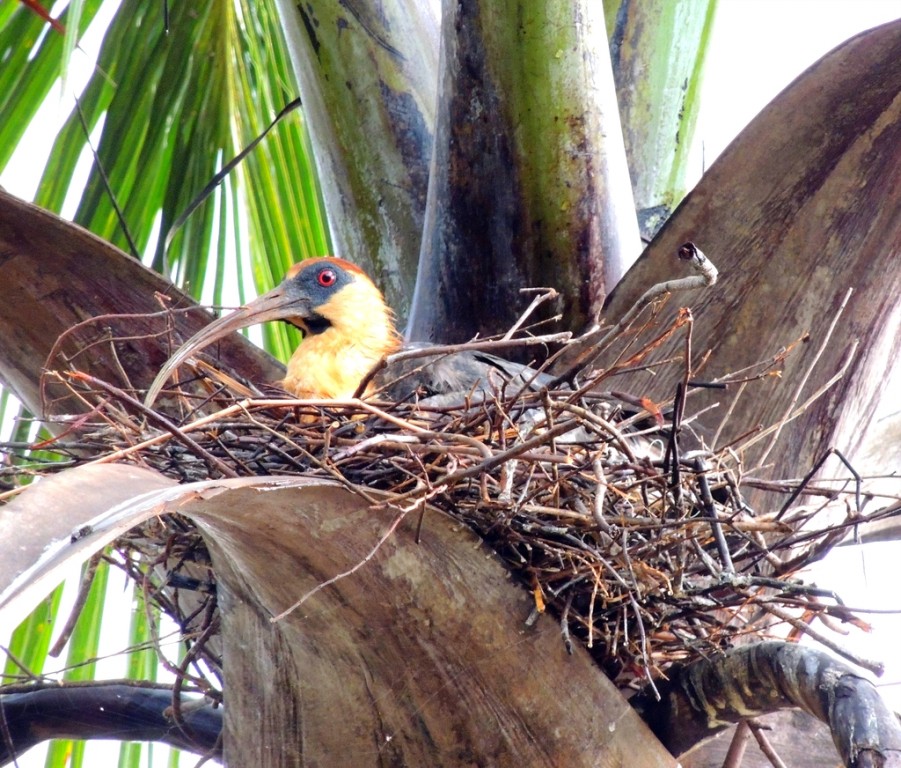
327,368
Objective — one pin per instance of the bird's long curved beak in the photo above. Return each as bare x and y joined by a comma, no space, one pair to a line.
274,305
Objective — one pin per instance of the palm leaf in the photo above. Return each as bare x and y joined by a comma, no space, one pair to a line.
799,210
428,659
144,180
174,108
33,56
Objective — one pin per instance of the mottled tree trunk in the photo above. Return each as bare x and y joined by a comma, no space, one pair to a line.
367,73
529,183
658,49
703,697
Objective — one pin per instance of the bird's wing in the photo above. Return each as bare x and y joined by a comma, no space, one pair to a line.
462,379
456,377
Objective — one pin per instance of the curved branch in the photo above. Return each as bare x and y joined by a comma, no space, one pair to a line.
704,697
56,274
114,711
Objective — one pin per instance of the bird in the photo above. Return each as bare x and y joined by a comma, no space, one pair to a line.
349,330
350,339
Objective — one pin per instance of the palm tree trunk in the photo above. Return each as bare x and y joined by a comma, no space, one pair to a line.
530,185
367,72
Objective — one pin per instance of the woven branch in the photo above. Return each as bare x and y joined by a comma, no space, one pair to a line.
607,508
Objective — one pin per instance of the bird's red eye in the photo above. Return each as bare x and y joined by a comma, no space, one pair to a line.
327,278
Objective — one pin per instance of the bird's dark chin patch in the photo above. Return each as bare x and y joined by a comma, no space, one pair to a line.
316,324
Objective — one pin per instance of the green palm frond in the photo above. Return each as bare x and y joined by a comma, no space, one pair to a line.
33,56
83,646
169,110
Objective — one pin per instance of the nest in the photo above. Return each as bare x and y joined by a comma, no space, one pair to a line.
643,548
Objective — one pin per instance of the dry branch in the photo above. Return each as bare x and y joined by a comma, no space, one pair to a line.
95,711
702,698
618,519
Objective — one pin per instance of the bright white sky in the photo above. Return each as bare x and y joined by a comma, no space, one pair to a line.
758,47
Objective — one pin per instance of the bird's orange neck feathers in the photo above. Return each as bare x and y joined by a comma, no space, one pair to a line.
331,364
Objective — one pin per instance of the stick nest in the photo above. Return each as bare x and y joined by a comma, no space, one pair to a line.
618,521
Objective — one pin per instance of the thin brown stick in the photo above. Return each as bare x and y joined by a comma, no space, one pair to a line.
159,419
764,743
806,376
737,746
84,589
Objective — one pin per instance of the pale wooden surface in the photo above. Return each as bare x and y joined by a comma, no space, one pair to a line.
54,274
421,657
796,211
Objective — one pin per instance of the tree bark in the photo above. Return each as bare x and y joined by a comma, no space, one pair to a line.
367,72
419,658
111,711
701,698
658,49
529,184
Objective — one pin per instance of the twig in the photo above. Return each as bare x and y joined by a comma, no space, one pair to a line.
738,745
805,377
84,589
764,743
155,417
211,621
564,624
486,345
600,494
705,276
876,667
604,424
546,294
701,469
736,398
816,468
759,435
